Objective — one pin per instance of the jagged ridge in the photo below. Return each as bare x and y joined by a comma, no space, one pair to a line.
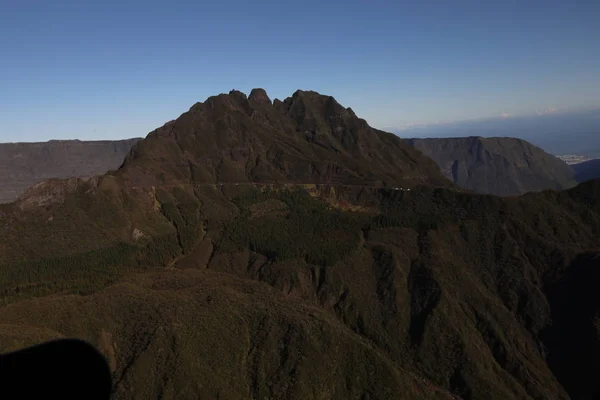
307,138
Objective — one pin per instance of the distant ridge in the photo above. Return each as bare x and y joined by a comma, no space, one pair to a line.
22,165
587,170
500,166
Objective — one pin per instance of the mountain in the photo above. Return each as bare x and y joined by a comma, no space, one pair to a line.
194,286
307,138
499,166
22,165
587,170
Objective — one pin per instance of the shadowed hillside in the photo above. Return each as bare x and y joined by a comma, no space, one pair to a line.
235,283
499,166
587,170
201,334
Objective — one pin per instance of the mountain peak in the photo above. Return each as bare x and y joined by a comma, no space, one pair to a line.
236,94
310,96
259,96
314,107
308,138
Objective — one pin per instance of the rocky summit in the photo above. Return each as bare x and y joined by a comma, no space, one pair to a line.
307,138
254,249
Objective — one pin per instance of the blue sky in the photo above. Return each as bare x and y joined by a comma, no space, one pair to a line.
95,70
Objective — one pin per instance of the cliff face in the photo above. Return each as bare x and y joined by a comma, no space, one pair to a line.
22,165
499,166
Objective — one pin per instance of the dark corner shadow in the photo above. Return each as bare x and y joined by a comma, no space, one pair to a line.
573,339
64,369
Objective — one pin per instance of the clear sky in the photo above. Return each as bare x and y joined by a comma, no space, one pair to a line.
115,69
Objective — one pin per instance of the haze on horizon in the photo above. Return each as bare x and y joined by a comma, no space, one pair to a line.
559,133
113,70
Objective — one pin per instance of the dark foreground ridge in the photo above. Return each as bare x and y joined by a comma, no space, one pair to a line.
204,274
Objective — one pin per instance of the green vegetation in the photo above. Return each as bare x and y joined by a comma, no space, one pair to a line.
310,230
80,273
201,334
182,209
83,273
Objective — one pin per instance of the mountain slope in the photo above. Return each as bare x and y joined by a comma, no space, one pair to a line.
499,166
587,170
22,165
200,334
464,292
204,288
